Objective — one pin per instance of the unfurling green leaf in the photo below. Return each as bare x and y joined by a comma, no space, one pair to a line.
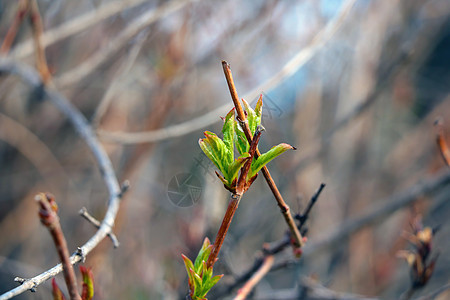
228,135
189,266
216,151
203,255
253,119
237,165
266,157
221,152
241,141
88,283
56,291
200,281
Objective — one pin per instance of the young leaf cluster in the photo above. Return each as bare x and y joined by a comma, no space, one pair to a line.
87,292
221,151
200,276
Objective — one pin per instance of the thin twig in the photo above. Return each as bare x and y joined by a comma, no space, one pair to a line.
256,278
285,210
85,214
75,25
15,24
441,141
290,68
304,216
38,29
101,56
31,77
269,250
50,219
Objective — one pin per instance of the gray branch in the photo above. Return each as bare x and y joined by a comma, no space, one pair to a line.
81,125
378,212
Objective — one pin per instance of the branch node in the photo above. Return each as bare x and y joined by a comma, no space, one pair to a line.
81,253
124,187
23,280
85,214
20,280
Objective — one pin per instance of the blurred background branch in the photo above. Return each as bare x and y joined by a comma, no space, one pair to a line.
354,85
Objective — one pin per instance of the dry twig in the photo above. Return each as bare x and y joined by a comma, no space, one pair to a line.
15,24
38,29
271,249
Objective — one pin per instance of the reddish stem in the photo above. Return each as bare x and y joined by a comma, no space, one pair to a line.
38,30
12,31
234,202
441,142
285,210
229,214
50,219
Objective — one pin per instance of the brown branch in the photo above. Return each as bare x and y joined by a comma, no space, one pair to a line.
270,249
302,57
233,204
441,141
79,122
38,29
12,31
285,210
378,212
257,276
304,216
229,214
50,219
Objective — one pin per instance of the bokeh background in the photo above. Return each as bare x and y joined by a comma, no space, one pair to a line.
355,85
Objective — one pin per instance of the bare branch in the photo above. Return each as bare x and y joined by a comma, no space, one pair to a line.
270,249
378,212
15,24
292,66
31,77
75,25
257,276
285,210
85,214
102,55
38,29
